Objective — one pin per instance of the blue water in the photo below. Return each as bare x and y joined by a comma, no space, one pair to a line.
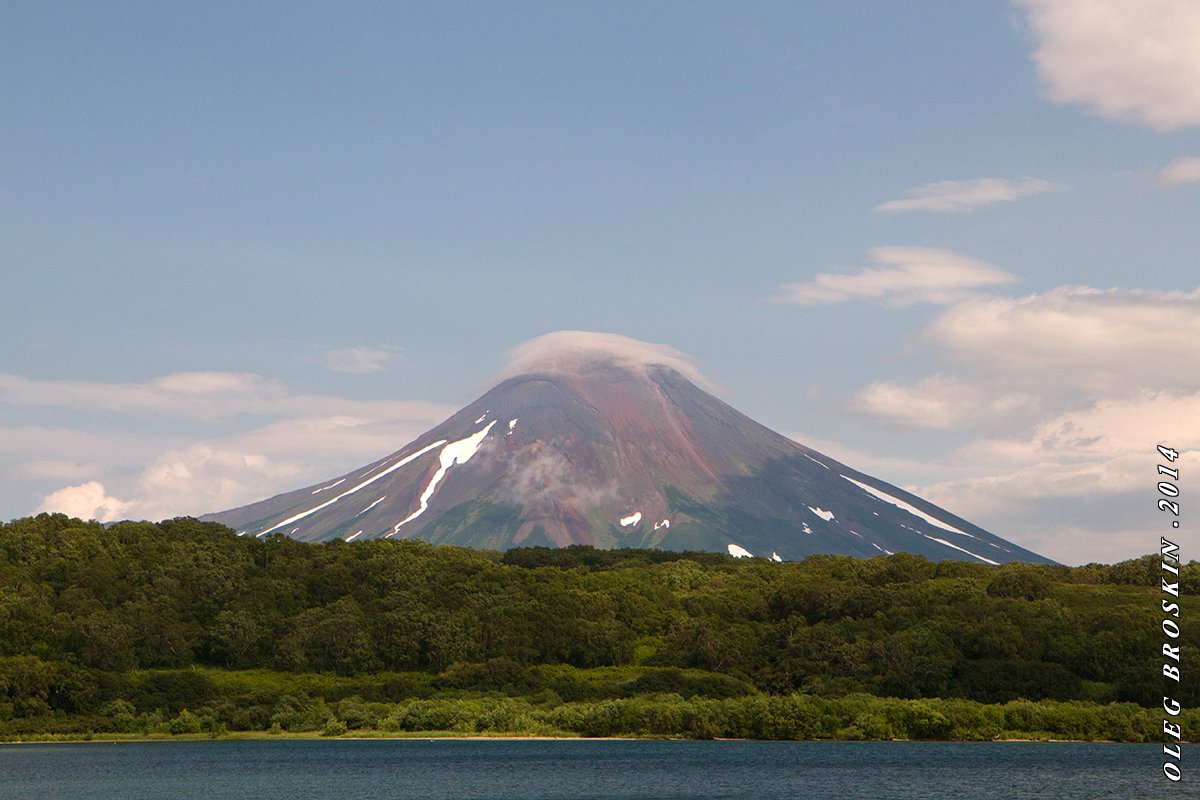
581,769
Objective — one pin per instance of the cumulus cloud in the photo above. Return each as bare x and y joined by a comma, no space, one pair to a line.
117,470
1133,62
913,275
572,351
87,501
1076,336
360,360
967,195
1082,472
941,402
203,477
1180,171
1065,394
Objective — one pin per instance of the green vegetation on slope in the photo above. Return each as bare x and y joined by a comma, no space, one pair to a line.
181,627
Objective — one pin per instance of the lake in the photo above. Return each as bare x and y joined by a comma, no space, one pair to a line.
579,770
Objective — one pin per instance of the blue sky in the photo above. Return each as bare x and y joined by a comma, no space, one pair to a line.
952,244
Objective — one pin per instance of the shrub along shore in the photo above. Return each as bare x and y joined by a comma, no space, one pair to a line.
182,629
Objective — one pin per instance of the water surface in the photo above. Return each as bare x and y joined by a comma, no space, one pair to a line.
578,770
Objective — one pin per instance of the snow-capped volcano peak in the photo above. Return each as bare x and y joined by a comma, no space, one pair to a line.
617,446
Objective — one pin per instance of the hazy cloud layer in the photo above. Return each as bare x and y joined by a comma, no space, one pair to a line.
1066,394
967,195
1050,483
1076,337
197,395
912,275
572,351
1129,61
360,360
304,439
1180,171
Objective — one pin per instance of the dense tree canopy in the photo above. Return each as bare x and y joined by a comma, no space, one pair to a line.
139,614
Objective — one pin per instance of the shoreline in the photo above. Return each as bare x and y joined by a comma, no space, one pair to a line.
430,736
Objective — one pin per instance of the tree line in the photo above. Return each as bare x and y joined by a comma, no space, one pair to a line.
93,615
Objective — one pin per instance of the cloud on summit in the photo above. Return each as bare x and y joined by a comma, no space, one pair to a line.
572,351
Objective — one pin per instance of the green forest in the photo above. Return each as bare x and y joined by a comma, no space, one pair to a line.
182,628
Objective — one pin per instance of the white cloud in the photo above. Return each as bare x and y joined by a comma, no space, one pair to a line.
202,477
1128,61
212,383
121,470
1089,467
87,501
202,396
915,275
360,360
571,351
941,402
1180,171
1069,392
1076,337
967,195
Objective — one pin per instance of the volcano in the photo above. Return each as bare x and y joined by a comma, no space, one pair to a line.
585,444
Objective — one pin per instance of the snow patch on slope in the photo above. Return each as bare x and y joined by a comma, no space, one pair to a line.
956,547
822,513
459,452
879,494
330,486
818,463
632,519
368,508
328,503
666,523
737,551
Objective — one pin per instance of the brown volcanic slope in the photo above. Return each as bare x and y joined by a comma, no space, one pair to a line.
613,455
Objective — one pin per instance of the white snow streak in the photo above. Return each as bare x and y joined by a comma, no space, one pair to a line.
368,508
810,458
330,486
481,419
353,536
512,423
327,503
632,519
459,452
737,551
956,547
822,513
805,528
916,512
666,523
775,556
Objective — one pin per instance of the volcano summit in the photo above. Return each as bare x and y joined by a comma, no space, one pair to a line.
602,440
